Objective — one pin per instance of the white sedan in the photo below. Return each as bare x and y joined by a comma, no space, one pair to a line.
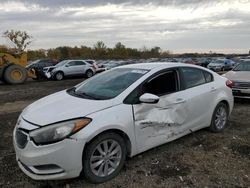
92,127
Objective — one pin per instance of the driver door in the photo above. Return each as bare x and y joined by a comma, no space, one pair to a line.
158,123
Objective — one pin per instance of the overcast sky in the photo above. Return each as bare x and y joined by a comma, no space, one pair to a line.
175,25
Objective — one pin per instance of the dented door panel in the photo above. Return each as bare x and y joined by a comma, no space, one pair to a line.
157,123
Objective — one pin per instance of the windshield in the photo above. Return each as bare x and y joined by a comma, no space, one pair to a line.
242,67
32,63
61,63
109,84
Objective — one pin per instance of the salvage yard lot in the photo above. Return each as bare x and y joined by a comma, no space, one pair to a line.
197,160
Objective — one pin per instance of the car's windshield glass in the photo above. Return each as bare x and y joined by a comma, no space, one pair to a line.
33,63
109,84
61,63
242,67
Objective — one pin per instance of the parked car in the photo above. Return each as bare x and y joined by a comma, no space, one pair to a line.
111,64
221,65
69,68
38,66
189,61
240,77
203,61
95,66
93,63
92,127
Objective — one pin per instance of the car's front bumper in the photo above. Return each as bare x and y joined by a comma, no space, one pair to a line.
60,160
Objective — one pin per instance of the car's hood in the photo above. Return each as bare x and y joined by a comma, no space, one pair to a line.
238,76
62,106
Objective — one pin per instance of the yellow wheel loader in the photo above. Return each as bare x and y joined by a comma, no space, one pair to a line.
12,68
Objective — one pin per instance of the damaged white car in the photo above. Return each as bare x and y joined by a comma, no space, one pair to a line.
92,127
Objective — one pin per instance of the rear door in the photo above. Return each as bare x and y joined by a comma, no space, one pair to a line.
199,89
80,67
75,67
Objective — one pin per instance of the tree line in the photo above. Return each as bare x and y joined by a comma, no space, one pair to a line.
98,51
21,40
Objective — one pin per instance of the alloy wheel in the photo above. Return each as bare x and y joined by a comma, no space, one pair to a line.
220,117
105,158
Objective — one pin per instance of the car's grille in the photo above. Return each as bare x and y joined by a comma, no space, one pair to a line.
21,138
241,85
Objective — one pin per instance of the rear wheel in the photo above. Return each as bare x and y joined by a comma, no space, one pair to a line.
15,74
59,76
104,157
89,73
220,118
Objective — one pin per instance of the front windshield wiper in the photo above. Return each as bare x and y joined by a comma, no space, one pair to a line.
72,91
85,95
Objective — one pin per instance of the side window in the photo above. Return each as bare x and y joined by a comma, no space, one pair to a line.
90,62
162,84
72,63
79,63
208,76
192,77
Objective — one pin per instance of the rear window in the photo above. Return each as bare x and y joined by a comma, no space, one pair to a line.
79,63
208,76
192,77
90,62
242,67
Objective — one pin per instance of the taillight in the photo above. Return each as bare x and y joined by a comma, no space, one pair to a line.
229,83
94,67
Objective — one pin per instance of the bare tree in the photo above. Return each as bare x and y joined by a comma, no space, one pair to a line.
100,45
21,39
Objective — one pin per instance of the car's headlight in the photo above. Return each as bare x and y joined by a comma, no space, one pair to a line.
58,131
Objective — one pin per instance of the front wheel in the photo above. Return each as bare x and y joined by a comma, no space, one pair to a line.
15,74
104,157
220,118
59,76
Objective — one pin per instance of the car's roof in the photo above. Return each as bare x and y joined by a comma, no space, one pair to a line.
150,66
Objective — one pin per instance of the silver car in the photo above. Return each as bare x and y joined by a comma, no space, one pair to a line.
240,76
68,68
221,65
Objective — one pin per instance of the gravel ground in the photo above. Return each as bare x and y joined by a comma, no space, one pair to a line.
201,159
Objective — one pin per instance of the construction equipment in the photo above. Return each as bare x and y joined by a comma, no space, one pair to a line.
12,68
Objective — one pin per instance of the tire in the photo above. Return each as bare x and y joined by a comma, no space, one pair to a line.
59,76
114,163
89,73
220,118
2,79
15,74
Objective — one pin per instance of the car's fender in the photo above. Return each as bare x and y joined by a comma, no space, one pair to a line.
121,119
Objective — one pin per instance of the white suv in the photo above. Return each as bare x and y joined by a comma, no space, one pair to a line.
68,68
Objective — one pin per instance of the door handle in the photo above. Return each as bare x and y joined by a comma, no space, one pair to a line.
179,101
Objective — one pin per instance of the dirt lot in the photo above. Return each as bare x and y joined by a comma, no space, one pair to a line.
202,159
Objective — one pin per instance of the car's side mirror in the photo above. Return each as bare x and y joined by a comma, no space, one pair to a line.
149,98
66,65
